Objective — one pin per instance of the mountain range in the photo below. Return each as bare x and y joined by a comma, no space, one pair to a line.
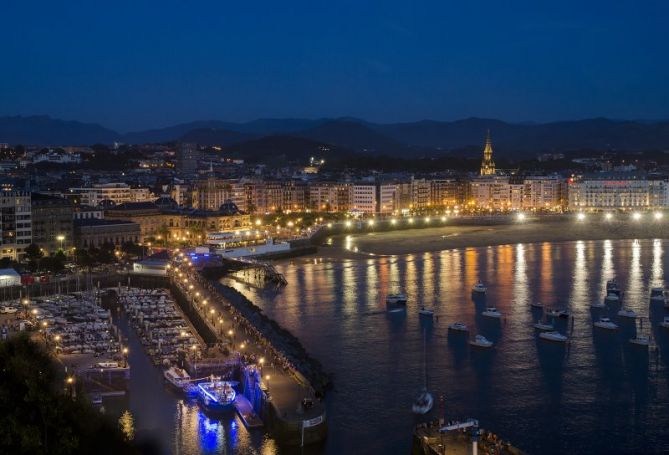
424,138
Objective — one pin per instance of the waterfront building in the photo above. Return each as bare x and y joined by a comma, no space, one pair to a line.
618,191
448,192
52,222
388,198
491,192
330,196
543,193
85,212
117,193
15,223
364,198
421,192
95,232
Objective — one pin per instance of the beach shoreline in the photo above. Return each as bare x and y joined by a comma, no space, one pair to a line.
411,241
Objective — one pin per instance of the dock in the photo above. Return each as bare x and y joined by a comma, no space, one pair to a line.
246,413
439,437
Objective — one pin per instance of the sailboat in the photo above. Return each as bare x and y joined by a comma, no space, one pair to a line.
424,401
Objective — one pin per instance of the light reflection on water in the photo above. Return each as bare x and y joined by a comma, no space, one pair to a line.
599,395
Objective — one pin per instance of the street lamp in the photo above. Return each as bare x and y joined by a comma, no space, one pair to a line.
61,238
267,378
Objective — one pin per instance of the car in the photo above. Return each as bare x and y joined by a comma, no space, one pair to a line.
8,310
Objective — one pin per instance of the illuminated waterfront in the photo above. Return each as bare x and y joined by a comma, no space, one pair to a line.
598,395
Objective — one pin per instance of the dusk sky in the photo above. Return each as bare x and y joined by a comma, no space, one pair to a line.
136,64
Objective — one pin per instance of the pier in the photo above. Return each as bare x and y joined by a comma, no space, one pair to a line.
276,385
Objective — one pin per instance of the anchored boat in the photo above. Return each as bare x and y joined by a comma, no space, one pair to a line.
177,377
458,327
479,288
492,312
553,336
217,396
480,341
606,324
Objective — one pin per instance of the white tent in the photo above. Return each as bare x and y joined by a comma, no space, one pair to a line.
9,277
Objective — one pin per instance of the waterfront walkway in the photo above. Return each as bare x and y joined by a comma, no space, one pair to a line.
286,388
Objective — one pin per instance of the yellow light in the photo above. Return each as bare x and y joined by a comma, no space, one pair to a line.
658,215
636,216
370,222
608,216
520,217
580,216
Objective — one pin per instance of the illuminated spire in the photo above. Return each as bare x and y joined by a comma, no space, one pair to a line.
487,165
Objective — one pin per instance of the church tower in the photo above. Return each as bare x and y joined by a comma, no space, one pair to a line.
487,165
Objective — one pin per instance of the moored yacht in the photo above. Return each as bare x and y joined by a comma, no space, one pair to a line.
665,322
396,299
217,396
544,326
657,294
612,286
606,323
458,327
492,312
612,297
177,377
480,341
426,312
553,336
536,305
640,340
627,313
597,305
479,288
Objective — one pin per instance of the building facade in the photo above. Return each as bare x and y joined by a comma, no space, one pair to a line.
617,191
52,222
15,223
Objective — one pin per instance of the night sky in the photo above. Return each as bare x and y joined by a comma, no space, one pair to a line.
136,64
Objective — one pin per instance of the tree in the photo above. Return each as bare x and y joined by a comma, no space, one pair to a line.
36,417
132,249
33,254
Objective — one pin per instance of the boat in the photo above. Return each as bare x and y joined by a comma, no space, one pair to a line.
479,288
627,313
107,365
399,309
597,305
395,299
424,402
491,312
563,314
612,297
553,313
426,312
544,326
606,323
537,305
612,286
640,340
177,377
657,294
217,396
458,327
553,336
480,341
665,322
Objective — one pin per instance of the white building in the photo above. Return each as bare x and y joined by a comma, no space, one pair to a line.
15,223
118,193
364,198
617,191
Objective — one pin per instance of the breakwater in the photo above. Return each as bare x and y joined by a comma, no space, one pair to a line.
310,370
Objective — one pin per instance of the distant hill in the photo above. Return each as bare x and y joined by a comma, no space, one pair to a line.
215,136
283,149
422,138
44,130
353,135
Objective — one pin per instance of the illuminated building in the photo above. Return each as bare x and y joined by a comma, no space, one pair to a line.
487,165
15,223
617,191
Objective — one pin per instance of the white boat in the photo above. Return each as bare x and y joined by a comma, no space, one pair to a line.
426,312
544,326
665,322
612,297
557,313
397,298
177,377
480,341
627,313
491,312
424,402
400,309
553,336
479,288
657,294
597,305
537,305
458,327
107,365
607,324
640,340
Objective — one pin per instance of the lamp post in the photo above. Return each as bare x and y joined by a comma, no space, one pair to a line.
61,238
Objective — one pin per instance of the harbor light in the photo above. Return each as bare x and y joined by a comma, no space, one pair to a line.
348,224
197,294
658,215
636,216
242,346
370,222
393,221
70,380
427,219
329,225
261,361
190,286
410,220
230,332
520,217
56,338
183,333
212,311
125,351
608,216
580,216
443,218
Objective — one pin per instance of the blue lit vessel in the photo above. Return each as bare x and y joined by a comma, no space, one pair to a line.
216,396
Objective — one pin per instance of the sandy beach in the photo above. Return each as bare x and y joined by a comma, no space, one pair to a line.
461,236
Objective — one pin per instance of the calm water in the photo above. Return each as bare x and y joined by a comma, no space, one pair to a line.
600,395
